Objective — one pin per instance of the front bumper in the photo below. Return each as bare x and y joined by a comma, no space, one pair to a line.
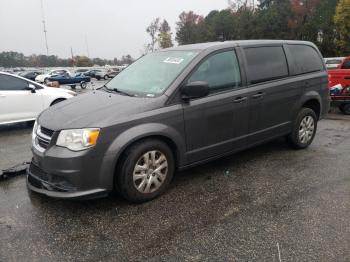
42,187
61,173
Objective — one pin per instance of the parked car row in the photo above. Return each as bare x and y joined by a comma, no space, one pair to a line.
71,80
44,78
102,73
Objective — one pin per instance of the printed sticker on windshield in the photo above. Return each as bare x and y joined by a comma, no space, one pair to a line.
173,60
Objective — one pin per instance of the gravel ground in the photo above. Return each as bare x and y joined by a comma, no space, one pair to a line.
256,205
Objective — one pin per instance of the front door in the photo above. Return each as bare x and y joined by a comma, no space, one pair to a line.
217,124
17,102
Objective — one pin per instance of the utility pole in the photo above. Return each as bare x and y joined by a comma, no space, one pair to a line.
87,47
71,51
44,27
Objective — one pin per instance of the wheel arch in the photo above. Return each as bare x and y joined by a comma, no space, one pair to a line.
313,101
167,134
57,99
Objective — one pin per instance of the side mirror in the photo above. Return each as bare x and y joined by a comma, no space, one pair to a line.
32,88
193,90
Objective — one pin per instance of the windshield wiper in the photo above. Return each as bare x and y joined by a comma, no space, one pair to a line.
116,90
122,92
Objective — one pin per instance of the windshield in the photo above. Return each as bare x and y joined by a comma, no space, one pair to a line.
152,74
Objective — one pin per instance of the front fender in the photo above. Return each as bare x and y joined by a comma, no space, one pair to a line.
147,130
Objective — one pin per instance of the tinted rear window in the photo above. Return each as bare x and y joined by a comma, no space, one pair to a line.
306,59
266,63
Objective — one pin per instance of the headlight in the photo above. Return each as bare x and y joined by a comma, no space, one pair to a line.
78,139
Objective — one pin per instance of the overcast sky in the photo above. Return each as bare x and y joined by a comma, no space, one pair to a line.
112,27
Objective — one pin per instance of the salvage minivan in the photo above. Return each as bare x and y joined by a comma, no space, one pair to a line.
174,109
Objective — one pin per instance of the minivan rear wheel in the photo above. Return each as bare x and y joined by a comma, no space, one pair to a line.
145,171
304,129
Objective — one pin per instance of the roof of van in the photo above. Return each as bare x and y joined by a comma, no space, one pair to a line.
224,44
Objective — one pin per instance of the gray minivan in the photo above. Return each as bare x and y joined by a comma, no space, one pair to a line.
174,109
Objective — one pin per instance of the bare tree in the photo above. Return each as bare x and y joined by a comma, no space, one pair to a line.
153,30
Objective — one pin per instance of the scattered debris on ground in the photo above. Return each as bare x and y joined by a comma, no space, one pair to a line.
16,170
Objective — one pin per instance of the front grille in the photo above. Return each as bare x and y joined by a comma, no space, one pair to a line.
43,143
43,138
46,131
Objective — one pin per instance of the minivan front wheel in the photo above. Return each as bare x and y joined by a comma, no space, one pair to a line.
146,170
304,129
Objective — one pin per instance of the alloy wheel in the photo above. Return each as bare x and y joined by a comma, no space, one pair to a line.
306,129
150,171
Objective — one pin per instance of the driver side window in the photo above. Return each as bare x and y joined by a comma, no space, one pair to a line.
221,72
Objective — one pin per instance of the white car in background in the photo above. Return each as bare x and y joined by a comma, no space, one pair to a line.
333,62
23,100
43,78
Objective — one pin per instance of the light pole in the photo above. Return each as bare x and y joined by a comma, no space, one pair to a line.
44,27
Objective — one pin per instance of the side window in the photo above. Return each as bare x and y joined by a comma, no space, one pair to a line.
306,59
220,71
346,64
266,63
10,83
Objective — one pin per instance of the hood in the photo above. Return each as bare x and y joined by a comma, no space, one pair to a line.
59,90
95,109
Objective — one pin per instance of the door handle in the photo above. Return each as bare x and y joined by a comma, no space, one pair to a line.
239,99
258,95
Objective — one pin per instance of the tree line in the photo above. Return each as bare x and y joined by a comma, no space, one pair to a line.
15,59
323,22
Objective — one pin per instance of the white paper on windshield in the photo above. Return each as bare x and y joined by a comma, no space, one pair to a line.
173,60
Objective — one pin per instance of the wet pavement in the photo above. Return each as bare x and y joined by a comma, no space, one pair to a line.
245,207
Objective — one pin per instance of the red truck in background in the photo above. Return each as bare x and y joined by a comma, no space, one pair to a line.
341,75
339,84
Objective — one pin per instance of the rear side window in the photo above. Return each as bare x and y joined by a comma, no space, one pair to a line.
346,64
10,83
266,63
306,59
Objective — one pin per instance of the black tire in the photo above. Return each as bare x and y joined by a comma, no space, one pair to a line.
345,108
57,101
105,77
293,138
98,78
83,85
124,182
72,86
